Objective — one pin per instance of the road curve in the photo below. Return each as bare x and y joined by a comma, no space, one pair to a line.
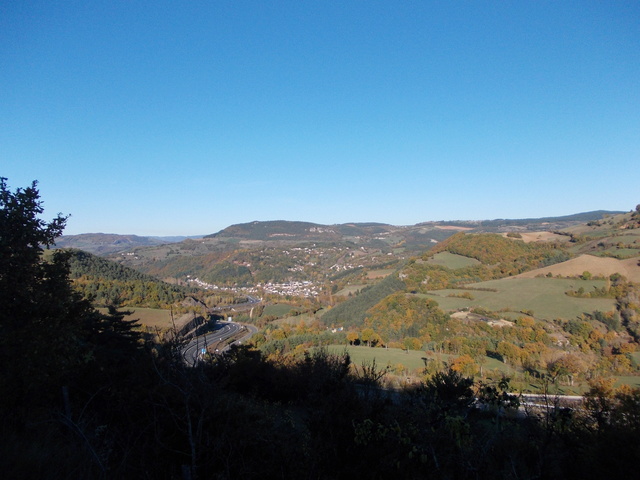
223,330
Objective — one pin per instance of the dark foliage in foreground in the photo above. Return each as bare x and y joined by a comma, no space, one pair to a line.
240,416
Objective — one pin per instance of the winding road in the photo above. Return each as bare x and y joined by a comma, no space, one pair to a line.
193,351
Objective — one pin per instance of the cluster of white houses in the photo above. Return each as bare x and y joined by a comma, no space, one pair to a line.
294,289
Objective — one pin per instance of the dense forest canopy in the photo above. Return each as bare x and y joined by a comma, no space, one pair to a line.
108,283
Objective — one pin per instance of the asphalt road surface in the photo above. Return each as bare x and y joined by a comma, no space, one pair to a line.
198,345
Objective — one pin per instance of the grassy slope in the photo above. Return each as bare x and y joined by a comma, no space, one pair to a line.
545,296
353,289
149,317
296,319
595,265
277,309
452,260
411,359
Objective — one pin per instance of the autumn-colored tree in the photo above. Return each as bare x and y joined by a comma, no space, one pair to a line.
353,337
465,365
412,343
510,353
599,399
400,315
375,340
366,335
568,365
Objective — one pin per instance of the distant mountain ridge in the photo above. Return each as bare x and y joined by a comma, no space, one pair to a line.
297,231
283,229
271,230
576,217
108,243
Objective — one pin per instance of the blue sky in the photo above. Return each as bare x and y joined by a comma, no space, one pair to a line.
181,118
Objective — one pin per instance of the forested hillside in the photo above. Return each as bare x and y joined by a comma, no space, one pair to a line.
499,257
353,311
109,283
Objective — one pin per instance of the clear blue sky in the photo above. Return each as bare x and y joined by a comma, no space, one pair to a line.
184,117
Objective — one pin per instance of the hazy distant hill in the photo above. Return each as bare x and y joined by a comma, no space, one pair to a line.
107,243
578,217
370,233
421,233
277,230
542,223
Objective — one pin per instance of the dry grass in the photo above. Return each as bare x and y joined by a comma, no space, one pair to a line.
149,317
374,274
452,227
597,266
528,237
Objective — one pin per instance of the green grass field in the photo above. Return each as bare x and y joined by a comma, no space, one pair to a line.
296,319
277,309
630,236
632,381
544,296
380,273
353,289
412,359
452,260
621,253
149,317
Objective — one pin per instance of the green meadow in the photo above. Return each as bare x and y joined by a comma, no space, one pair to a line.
277,310
296,319
353,289
412,359
452,260
544,296
148,317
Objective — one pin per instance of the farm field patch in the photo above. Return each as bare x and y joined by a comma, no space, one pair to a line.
307,318
603,266
149,317
277,309
544,296
541,237
373,274
412,359
452,260
353,289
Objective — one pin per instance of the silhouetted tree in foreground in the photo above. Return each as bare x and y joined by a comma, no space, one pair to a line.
55,348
